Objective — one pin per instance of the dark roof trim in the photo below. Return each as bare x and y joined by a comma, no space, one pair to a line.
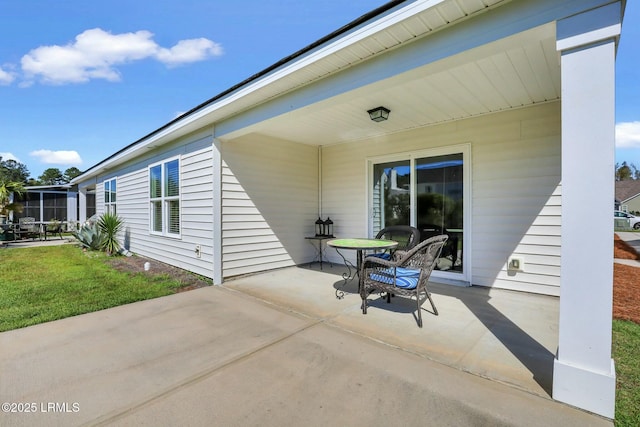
48,187
351,25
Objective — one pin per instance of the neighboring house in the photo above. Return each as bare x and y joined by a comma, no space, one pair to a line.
628,195
48,202
498,110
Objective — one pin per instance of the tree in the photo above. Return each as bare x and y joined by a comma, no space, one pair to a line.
71,173
626,172
13,171
52,176
7,189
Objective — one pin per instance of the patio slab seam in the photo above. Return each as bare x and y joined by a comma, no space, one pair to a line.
279,307
121,413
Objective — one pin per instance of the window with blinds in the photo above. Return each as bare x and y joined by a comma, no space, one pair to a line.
164,198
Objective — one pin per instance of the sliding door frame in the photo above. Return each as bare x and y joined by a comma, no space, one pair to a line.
456,278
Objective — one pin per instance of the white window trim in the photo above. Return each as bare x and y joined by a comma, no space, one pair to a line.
165,209
465,149
109,204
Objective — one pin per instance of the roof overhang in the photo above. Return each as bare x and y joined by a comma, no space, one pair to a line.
429,61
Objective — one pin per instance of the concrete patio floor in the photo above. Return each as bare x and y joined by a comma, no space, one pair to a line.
506,336
278,349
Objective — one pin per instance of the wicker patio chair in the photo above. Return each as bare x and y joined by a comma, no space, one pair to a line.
406,275
406,236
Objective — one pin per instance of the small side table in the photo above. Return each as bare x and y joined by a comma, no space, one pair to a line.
320,249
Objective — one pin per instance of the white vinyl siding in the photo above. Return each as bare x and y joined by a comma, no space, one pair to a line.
269,204
515,191
100,198
196,189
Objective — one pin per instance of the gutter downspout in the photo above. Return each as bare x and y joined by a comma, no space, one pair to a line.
320,181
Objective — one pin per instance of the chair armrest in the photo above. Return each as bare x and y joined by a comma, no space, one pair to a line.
398,255
373,262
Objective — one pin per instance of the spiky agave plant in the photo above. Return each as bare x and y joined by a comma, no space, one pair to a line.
110,225
90,236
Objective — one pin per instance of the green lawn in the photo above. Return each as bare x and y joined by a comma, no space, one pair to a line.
626,352
42,284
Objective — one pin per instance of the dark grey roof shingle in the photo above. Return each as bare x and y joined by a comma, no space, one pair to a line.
626,190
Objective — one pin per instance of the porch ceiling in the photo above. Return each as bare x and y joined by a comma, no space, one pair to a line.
515,72
466,74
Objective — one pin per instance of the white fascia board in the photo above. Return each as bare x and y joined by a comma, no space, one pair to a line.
349,39
352,37
151,142
591,37
593,26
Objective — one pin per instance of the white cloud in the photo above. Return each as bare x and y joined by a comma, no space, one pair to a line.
186,51
96,53
60,157
6,77
628,135
9,156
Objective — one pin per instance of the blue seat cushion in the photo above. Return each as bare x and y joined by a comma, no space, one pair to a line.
406,278
382,255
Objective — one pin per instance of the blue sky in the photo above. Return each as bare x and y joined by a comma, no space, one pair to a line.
80,80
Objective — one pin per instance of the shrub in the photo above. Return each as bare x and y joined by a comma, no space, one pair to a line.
90,236
110,225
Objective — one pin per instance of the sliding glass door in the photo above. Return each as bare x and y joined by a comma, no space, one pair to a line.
427,190
440,205
391,194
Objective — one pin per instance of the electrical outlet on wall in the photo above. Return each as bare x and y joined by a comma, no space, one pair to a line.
516,264
198,251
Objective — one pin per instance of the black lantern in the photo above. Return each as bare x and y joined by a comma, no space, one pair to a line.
328,227
319,227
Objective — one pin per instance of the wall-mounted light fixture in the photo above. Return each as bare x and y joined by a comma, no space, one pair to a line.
379,114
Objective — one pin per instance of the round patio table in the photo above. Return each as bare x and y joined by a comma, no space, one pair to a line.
359,245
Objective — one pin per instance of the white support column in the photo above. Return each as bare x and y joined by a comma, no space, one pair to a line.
72,207
584,374
82,203
217,211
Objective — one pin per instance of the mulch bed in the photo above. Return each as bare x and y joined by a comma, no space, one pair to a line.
626,284
135,264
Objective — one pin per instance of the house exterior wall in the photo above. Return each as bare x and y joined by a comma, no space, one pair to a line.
633,205
269,204
196,205
515,179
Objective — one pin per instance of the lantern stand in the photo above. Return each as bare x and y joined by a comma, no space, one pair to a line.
323,232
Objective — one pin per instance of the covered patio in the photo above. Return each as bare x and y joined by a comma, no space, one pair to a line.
496,111
502,335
